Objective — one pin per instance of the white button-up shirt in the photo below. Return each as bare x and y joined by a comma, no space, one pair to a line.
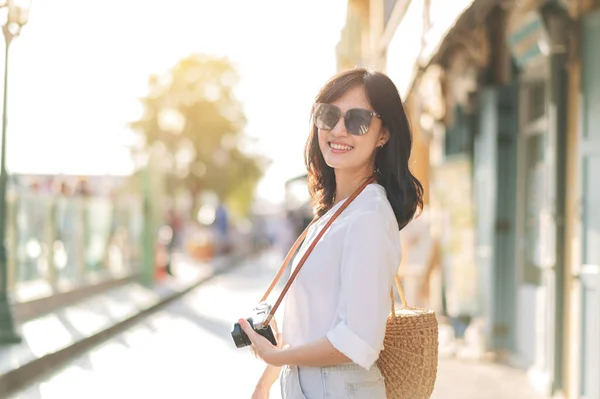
343,289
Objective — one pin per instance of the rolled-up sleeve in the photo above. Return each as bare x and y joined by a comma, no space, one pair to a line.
370,259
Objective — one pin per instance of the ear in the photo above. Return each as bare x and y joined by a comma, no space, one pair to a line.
384,136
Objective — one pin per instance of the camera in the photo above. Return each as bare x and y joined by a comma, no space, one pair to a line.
256,320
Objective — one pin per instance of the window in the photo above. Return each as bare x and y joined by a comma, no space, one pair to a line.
458,137
537,228
535,177
536,100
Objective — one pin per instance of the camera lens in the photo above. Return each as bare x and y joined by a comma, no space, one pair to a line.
236,334
239,336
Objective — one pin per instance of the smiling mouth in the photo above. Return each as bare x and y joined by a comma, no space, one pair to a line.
340,147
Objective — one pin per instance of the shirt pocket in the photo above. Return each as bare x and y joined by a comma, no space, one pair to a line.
374,389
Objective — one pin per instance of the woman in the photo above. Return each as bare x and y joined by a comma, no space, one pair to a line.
336,310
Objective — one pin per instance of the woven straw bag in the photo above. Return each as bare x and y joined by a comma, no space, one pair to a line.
408,361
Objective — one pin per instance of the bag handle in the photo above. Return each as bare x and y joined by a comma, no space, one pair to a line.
307,253
402,297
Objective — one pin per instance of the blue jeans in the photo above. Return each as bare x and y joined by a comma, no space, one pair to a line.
332,382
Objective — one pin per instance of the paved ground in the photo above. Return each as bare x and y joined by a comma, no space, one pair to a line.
185,351
473,380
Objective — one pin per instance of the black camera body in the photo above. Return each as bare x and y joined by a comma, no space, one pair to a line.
256,320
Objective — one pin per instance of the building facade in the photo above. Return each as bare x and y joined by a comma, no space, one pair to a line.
504,100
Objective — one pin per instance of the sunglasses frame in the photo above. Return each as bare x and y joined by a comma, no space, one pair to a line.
343,115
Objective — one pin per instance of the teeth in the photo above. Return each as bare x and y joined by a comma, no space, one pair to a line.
340,147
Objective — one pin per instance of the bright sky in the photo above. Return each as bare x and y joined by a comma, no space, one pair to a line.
78,67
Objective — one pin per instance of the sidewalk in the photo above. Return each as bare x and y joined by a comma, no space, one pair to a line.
164,355
461,375
56,337
464,379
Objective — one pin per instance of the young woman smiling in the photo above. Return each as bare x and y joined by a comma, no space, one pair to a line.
336,309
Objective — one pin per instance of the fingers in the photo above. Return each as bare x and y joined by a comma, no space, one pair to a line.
251,334
247,328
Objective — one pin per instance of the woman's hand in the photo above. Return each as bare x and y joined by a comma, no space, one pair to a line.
262,347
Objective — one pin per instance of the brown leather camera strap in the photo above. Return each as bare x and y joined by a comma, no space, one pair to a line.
307,253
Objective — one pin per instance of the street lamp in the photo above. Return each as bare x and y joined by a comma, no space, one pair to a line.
16,15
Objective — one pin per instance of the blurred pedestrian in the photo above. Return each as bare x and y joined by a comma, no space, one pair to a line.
336,311
172,233
222,229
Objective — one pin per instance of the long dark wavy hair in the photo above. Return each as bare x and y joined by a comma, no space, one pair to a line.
404,191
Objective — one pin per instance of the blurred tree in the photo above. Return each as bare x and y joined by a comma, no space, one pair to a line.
192,113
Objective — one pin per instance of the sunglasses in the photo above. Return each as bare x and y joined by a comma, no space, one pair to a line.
356,120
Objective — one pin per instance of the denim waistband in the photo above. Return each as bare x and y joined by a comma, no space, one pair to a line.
345,366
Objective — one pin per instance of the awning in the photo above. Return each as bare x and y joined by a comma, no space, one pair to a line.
413,49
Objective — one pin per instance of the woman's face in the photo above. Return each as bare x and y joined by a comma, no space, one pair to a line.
344,151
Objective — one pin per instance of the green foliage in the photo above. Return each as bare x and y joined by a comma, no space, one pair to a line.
193,114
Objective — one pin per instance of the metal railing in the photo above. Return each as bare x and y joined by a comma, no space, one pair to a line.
57,243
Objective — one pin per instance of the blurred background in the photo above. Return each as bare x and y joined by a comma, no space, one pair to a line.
152,181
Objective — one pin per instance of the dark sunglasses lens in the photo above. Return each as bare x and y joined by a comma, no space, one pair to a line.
326,116
358,121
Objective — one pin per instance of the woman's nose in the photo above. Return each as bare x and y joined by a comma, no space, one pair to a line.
340,128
